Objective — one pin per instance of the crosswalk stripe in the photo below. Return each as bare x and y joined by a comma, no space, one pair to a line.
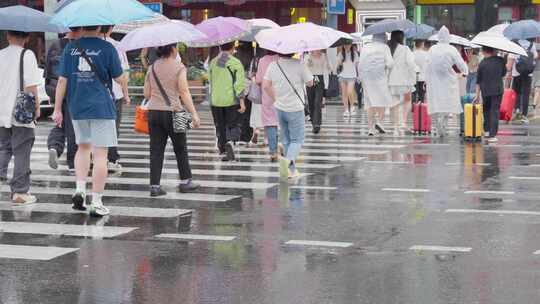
490,192
503,212
313,188
238,164
534,178
471,164
318,243
195,237
39,253
388,162
115,210
64,229
198,197
405,190
440,248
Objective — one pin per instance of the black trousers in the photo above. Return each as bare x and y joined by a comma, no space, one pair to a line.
491,108
113,155
247,131
60,134
522,86
420,94
315,101
161,128
228,125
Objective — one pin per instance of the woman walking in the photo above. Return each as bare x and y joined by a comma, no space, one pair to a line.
348,73
402,78
285,81
318,64
268,112
165,85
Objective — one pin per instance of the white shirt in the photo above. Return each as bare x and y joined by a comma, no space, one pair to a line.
298,74
117,89
349,67
421,57
10,83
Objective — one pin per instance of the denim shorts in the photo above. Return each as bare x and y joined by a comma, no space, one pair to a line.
97,132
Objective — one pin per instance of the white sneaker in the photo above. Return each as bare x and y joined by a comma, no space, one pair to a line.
346,114
283,168
294,174
114,166
492,140
371,132
353,111
23,199
98,210
380,128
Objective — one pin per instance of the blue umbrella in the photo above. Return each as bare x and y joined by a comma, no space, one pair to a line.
101,12
420,31
62,4
388,26
524,29
24,19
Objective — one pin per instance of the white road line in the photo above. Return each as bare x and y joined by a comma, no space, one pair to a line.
472,164
480,211
196,237
237,164
536,252
199,197
405,190
64,229
440,248
313,188
115,210
490,192
319,243
388,162
39,253
525,177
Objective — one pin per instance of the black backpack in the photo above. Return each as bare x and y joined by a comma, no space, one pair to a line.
526,65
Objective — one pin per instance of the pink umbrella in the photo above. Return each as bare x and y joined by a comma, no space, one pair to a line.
221,30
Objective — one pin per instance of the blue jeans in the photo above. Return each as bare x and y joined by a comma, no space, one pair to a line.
292,132
471,83
271,134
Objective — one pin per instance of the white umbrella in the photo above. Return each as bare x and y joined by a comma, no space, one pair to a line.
454,39
258,25
498,42
131,26
498,29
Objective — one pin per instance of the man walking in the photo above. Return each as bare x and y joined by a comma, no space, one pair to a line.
520,69
86,69
227,83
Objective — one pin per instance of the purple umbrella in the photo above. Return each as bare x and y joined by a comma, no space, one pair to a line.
221,30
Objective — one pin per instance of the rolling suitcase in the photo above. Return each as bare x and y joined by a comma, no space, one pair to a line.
421,118
474,121
468,98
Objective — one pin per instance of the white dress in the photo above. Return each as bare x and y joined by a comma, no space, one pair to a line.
402,76
374,64
255,120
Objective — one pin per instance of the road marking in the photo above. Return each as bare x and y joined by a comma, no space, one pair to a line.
525,177
313,188
388,162
512,212
464,164
537,252
237,164
319,243
39,253
197,237
490,192
115,210
64,229
440,248
405,190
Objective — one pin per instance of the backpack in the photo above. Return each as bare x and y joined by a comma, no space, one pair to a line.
526,65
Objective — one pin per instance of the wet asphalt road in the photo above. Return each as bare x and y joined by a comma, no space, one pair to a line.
393,220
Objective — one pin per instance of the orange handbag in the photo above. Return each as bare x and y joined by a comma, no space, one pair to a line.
141,118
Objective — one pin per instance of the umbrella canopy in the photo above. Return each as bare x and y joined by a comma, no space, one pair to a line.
258,25
498,29
454,39
420,32
498,42
131,26
524,29
24,19
101,12
221,30
388,26
301,37
160,34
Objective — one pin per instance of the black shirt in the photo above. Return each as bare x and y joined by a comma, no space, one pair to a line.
490,76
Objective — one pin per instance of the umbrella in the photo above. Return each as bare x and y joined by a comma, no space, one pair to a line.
221,30
420,32
454,39
388,26
160,34
524,29
498,29
62,4
130,26
24,19
101,12
258,25
301,37
498,42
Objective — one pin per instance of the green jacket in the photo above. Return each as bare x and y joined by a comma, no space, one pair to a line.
221,80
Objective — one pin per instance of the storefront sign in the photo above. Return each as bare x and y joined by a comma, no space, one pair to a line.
336,7
438,2
156,7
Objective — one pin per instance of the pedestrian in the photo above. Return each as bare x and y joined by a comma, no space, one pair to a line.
171,75
520,69
490,89
474,61
59,135
121,96
442,82
318,64
420,58
374,66
148,56
284,82
268,111
16,138
227,80
87,69
347,73
402,79
245,53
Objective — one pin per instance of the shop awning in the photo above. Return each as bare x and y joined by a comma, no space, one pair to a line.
377,5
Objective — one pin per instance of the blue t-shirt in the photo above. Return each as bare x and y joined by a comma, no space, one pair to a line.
88,97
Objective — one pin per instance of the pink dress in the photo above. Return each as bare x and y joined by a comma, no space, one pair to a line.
269,115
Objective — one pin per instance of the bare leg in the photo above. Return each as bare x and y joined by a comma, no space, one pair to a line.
82,162
344,96
99,173
406,109
350,96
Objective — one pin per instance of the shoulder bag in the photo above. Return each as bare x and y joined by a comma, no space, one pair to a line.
306,109
25,104
93,68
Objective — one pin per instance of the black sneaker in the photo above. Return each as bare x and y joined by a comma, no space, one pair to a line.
316,129
188,187
157,191
3,180
229,151
380,128
79,201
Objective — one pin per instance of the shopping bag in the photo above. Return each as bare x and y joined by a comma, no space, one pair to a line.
507,104
141,118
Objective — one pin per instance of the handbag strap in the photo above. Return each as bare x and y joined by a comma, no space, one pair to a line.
233,76
160,87
93,68
290,83
21,70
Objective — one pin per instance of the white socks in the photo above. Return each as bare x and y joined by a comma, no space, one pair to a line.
96,198
81,186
